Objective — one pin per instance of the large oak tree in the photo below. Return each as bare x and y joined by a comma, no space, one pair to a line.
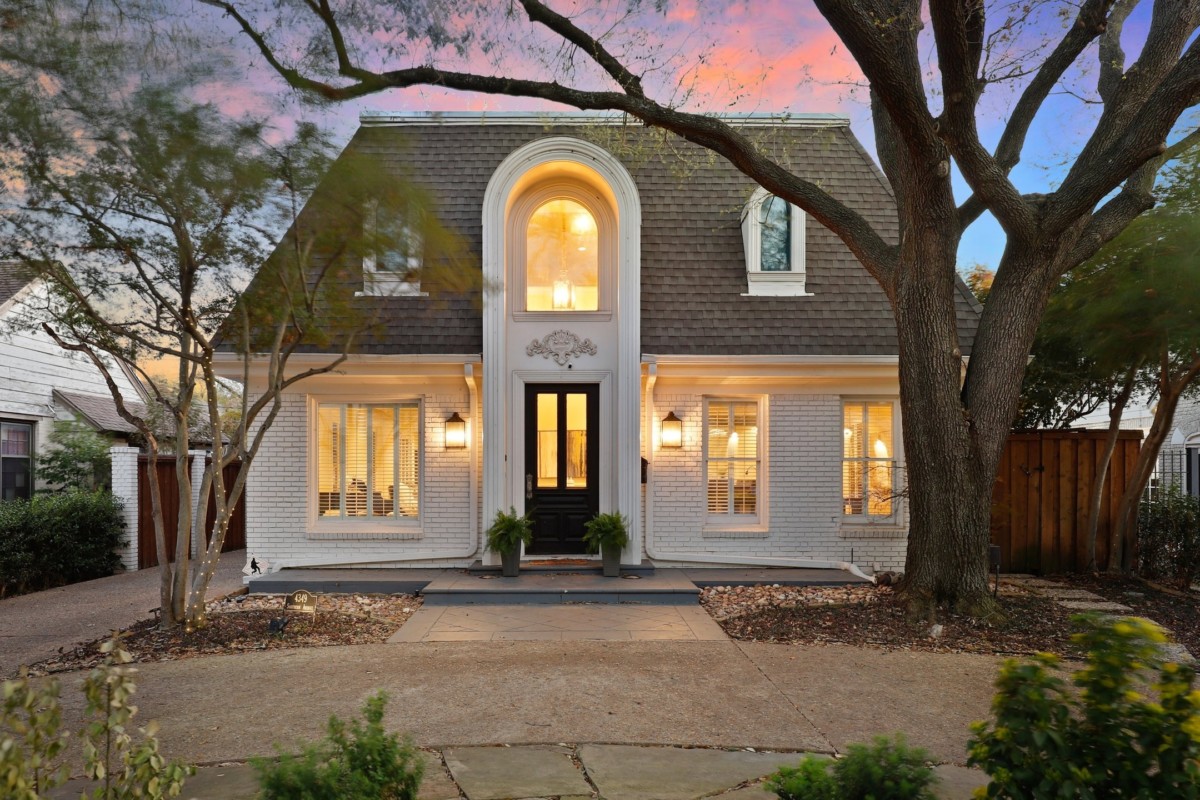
957,416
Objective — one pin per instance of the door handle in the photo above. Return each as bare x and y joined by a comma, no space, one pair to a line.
528,486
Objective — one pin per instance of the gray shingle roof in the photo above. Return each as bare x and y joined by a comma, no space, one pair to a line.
12,280
101,412
693,271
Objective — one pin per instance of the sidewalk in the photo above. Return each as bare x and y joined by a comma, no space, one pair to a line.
34,627
569,772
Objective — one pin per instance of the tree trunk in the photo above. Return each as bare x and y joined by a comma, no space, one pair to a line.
1170,389
1115,412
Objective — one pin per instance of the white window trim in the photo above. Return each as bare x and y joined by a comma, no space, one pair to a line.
606,244
716,525
380,282
773,284
321,527
30,457
895,520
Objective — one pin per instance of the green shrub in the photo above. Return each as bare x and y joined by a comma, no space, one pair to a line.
54,539
809,780
884,770
365,763
1169,537
1106,740
77,457
32,741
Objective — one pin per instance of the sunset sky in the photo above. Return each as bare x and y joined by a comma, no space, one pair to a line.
759,56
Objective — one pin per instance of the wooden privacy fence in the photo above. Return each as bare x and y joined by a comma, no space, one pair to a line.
1040,500
235,537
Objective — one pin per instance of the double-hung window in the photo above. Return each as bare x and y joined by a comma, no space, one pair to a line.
369,461
773,236
732,460
394,251
869,460
16,460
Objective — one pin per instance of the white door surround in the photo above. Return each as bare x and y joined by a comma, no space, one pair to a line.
514,349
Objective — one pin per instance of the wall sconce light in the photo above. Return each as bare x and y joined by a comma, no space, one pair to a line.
456,432
672,430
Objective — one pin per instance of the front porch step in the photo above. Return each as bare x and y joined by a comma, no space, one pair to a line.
664,588
581,566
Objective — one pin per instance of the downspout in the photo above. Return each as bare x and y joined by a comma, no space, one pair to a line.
472,500
703,558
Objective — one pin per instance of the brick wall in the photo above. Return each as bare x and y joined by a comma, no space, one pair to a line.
277,527
803,486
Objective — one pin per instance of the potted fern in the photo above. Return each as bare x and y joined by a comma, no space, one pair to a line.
607,534
509,530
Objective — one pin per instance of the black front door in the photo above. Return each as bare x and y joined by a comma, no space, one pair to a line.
561,464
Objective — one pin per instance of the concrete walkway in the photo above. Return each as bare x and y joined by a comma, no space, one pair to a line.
468,694
568,772
563,622
34,627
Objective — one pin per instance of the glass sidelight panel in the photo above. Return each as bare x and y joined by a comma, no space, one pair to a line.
577,476
547,441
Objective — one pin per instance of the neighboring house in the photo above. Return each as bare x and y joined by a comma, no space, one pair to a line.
657,336
41,382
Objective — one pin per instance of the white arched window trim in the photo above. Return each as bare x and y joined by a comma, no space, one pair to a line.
772,284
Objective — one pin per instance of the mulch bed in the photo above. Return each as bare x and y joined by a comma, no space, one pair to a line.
875,617
1174,609
241,624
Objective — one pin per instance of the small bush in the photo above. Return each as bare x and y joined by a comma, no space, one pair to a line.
54,539
884,770
1169,537
363,763
1105,741
33,744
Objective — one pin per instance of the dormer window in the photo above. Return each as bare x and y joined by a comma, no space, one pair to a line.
773,236
394,252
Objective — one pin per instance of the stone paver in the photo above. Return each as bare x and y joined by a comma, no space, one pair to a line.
499,773
1069,593
1095,605
559,622
622,772
34,627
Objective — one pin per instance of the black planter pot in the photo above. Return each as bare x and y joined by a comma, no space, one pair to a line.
510,563
612,561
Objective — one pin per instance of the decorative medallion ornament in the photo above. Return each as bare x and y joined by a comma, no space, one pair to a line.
562,346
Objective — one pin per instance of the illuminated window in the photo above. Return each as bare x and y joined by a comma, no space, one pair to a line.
773,235
16,460
368,461
562,264
868,460
732,458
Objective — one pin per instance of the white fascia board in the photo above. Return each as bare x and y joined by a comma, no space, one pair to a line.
376,119
230,365
758,371
18,298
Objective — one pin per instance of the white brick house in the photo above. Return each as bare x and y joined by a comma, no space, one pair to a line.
657,336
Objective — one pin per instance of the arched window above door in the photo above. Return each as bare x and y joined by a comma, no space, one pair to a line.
562,258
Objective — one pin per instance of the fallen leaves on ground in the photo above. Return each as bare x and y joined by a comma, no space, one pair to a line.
874,616
241,624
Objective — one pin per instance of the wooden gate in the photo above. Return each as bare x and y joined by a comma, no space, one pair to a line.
1040,500
235,537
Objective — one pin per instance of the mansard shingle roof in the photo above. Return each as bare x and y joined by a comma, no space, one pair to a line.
693,274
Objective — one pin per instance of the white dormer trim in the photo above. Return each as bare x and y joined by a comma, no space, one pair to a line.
772,284
385,282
